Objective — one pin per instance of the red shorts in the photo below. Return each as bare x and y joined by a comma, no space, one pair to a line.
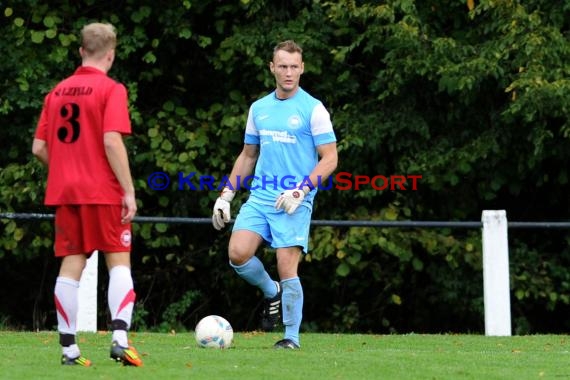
86,228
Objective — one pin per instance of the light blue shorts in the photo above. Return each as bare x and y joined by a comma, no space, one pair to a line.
276,227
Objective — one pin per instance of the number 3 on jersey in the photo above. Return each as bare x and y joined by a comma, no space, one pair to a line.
69,132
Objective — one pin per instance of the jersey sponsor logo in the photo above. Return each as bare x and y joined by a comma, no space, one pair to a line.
126,238
279,136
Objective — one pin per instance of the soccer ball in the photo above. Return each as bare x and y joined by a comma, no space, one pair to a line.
214,331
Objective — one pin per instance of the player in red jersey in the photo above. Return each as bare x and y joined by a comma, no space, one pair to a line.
79,137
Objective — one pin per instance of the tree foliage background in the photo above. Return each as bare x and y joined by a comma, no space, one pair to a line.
472,95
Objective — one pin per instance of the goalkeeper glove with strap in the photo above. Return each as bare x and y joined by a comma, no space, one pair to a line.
221,214
289,200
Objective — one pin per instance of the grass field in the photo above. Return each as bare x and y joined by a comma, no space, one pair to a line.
29,355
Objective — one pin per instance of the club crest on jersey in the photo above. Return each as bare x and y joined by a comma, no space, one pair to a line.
126,238
294,122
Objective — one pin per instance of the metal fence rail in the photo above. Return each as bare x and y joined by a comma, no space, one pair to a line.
332,223
494,227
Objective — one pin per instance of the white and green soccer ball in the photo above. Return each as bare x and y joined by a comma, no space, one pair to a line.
214,331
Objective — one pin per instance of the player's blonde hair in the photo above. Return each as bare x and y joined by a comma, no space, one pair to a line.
98,38
289,46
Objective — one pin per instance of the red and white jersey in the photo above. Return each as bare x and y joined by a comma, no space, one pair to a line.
74,118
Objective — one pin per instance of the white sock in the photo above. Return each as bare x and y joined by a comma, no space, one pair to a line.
121,295
120,336
65,293
121,298
72,351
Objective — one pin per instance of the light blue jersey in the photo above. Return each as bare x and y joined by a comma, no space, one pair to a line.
287,132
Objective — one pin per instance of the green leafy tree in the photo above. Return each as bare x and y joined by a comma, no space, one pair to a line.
470,95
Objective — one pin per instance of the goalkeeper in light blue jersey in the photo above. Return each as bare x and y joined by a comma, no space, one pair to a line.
289,149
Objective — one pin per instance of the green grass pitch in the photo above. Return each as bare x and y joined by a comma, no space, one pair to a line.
35,355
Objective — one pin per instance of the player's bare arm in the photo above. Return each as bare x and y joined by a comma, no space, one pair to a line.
39,149
119,162
327,163
244,164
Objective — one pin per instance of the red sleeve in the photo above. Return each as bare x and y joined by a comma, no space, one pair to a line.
116,117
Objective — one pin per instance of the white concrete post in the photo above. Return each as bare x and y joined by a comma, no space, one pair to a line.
87,303
496,273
